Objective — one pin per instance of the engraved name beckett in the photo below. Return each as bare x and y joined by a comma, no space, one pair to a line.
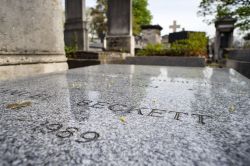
123,109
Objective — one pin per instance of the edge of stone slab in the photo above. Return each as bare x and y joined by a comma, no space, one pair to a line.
12,72
99,55
115,55
17,59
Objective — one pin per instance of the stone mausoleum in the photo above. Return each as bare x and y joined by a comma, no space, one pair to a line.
224,36
151,34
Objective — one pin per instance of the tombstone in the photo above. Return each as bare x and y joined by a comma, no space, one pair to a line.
151,34
76,33
126,115
138,42
31,38
224,36
119,35
165,41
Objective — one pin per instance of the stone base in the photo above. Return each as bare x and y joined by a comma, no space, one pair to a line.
17,71
121,44
113,57
85,58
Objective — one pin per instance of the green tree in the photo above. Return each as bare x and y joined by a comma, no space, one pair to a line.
195,45
99,21
141,16
239,9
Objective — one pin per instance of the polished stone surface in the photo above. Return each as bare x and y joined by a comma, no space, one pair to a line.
126,115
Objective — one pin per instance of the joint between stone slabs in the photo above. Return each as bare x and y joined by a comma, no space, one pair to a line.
33,63
32,53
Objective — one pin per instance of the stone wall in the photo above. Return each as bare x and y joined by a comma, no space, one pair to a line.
151,36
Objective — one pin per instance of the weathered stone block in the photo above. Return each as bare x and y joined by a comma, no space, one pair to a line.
119,17
31,32
119,36
76,33
120,43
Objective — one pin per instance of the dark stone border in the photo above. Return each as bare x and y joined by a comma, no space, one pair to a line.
242,67
239,55
167,61
76,63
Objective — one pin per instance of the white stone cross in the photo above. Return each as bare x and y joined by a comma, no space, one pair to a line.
174,26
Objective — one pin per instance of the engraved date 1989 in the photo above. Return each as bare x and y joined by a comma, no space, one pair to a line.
62,132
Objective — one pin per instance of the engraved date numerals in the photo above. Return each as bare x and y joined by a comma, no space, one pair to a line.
62,132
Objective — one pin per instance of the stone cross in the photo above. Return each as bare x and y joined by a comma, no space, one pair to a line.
174,26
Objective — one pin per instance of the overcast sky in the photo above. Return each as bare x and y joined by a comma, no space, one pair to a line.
183,11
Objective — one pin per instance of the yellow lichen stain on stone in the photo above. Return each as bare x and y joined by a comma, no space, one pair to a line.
18,105
154,100
77,85
122,119
232,108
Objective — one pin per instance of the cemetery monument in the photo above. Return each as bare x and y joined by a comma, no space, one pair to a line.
126,115
76,33
151,34
119,35
224,36
31,38
111,114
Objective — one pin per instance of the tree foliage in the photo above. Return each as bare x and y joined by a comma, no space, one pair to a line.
99,21
141,16
239,9
194,45
247,37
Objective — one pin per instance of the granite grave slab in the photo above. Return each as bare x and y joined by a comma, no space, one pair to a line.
126,115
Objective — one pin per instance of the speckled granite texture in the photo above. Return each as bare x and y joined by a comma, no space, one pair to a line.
127,115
